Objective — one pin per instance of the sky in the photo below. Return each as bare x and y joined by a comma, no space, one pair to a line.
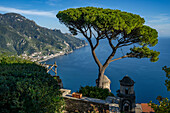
155,12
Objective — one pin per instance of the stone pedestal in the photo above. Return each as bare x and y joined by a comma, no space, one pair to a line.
106,82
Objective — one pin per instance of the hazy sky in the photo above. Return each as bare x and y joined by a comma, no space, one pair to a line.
155,12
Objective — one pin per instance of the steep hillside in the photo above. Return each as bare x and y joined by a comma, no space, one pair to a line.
19,35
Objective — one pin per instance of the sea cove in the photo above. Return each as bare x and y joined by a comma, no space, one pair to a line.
79,69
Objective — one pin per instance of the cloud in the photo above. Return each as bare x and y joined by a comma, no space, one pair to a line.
160,18
161,23
53,2
28,12
163,29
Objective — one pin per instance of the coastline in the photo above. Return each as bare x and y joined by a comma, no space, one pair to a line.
50,57
53,56
61,53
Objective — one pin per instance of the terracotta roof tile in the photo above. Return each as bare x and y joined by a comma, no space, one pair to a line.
146,108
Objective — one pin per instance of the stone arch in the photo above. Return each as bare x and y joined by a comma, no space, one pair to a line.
126,105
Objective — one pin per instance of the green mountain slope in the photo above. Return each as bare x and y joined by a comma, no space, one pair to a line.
19,35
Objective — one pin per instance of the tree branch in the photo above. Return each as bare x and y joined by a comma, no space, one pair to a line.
85,30
90,31
125,56
111,45
125,44
110,41
107,62
94,54
94,35
93,49
97,43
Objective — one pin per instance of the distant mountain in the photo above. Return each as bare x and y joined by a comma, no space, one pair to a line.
19,35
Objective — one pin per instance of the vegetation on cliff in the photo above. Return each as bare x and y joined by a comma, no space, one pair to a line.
95,92
19,35
26,87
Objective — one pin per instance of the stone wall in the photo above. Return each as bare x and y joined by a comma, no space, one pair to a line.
83,106
130,89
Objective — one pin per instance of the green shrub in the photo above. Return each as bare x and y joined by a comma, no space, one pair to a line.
164,103
95,92
27,88
4,59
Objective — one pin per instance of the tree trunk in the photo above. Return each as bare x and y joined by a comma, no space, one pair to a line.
103,81
100,79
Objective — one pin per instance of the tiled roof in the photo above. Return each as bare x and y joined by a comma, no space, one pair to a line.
127,81
146,108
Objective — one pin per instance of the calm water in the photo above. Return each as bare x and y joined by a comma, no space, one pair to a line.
79,69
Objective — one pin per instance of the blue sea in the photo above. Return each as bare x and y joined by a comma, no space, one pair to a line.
79,69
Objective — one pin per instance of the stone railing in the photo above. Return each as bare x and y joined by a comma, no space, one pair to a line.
86,104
